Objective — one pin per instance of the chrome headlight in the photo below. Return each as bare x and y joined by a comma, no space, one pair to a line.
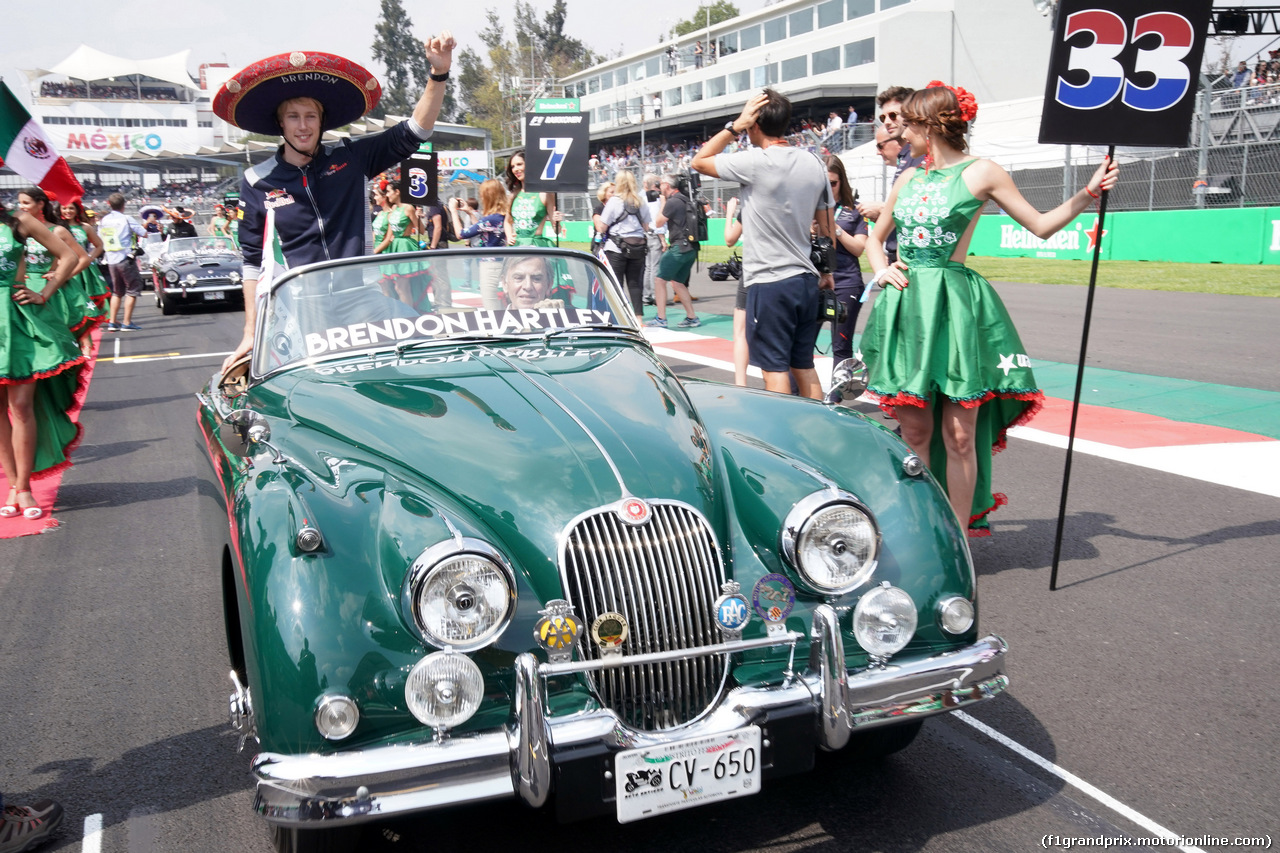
444,689
831,539
337,716
190,279
171,276
234,277
884,620
955,614
460,596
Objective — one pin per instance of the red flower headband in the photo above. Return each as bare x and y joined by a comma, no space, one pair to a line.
968,103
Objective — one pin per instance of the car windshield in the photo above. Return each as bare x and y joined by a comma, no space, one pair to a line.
200,245
399,301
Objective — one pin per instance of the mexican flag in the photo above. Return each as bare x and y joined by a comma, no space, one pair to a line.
26,150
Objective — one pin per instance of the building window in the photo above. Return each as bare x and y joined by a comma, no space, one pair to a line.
206,124
858,8
739,81
775,30
606,80
671,97
860,53
826,60
652,66
889,4
620,76
637,72
830,13
729,43
765,75
593,85
749,37
715,87
801,22
692,92
794,69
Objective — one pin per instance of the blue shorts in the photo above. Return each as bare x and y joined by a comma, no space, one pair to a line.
782,323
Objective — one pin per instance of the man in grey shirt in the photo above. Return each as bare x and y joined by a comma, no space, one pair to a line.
784,191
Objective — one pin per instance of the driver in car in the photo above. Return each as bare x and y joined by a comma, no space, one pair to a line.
527,283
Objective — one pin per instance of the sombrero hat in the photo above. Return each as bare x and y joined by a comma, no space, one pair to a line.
148,209
249,99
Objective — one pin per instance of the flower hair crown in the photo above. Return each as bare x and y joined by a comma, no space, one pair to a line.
968,103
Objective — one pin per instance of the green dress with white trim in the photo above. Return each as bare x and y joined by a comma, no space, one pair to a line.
947,334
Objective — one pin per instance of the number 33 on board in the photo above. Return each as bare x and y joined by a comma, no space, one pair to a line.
1107,75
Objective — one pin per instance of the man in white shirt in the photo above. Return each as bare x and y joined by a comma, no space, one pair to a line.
119,233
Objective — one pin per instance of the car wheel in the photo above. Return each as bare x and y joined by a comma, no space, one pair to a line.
166,305
879,742
289,839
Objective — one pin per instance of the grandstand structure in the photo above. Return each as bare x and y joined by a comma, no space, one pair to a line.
147,123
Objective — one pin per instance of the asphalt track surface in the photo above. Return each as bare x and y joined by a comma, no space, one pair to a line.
1144,693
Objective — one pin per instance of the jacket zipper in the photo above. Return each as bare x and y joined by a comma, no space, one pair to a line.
324,241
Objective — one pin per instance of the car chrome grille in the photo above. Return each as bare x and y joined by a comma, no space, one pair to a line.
664,576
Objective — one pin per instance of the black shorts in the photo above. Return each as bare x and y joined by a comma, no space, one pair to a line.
125,280
782,323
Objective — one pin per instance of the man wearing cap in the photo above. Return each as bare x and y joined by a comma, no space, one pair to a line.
316,190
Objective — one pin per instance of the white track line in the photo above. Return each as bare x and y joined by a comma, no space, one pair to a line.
127,359
92,834
1076,782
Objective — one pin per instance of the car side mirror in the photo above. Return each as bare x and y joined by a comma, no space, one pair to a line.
848,381
245,433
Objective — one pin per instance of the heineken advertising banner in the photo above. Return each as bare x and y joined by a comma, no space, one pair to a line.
1242,235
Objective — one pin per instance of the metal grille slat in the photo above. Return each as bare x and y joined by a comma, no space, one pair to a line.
663,575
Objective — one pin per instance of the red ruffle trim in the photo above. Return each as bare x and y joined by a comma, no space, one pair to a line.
999,499
66,453
1035,398
45,374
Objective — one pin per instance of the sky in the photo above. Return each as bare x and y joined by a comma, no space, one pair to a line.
239,32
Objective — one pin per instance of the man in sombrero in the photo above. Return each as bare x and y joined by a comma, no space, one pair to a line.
317,190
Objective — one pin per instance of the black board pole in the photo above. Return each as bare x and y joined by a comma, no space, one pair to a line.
1075,402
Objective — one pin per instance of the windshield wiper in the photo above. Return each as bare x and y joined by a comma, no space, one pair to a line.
402,348
585,327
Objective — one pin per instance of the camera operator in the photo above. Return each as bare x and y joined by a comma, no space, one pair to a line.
851,239
784,190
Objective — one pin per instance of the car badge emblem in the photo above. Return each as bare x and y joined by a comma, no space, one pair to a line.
609,632
558,630
773,597
634,511
731,611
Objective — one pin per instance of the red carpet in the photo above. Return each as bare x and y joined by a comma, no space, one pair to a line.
45,490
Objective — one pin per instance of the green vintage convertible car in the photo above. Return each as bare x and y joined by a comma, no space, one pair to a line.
494,548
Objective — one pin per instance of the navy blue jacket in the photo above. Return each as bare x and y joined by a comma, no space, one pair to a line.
321,208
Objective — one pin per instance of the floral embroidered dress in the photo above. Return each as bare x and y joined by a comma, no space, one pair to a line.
36,346
948,333
71,302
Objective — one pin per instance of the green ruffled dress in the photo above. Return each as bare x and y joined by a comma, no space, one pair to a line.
398,223
948,334
36,346
92,280
71,302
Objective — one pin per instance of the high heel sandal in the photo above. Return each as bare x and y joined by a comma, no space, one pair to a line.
30,512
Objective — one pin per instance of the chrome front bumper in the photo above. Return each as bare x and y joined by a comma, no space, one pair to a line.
358,786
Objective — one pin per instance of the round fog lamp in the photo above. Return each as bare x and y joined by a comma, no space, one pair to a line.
956,615
444,689
336,717
884,620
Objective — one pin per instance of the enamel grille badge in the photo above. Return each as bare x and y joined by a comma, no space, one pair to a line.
609,631
558,630
731,611
634,511
773,597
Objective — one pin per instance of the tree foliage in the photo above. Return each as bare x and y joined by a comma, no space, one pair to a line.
721,10
401,54
540,49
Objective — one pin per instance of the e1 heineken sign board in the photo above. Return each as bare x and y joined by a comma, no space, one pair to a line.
556,105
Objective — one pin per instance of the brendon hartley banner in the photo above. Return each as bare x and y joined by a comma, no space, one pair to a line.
1124,72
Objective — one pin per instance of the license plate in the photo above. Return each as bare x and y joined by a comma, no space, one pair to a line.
689,773
214,295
